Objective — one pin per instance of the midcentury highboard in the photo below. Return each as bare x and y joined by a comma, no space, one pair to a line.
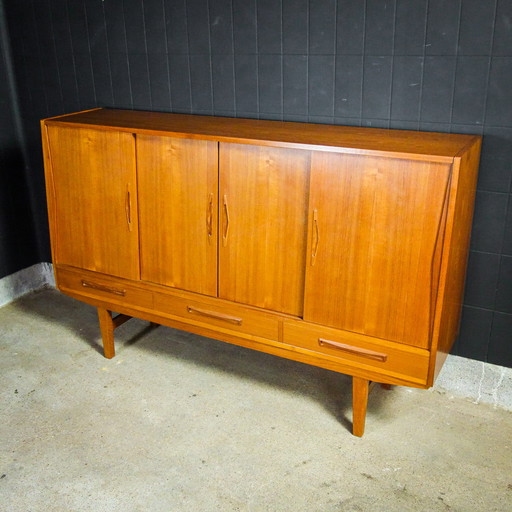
339,247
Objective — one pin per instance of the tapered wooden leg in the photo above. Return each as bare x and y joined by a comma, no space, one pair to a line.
107,327
360,389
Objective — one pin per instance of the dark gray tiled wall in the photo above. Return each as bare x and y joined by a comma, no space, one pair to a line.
436,65
18,240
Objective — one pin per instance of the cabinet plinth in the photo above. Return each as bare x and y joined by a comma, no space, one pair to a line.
343,248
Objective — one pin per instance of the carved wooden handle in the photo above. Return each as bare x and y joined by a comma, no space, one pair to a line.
103,288
226,230
215,315
317,237
209,217
128,208
349,349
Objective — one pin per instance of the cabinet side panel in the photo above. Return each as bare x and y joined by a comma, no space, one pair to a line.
50,189
455,256
95,200
374,230
178,212
262,239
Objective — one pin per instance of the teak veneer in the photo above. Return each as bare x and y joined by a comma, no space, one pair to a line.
340,247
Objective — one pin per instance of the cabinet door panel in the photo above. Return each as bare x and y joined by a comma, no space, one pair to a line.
178,212
375,236
263,212
94,183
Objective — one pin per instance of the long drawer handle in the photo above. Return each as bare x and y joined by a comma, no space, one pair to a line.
369,354
215,315
103,288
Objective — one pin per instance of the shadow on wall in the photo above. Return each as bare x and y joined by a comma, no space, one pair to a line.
329,389
17,232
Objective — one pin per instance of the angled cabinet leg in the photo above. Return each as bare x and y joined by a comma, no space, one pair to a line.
360,390
107,327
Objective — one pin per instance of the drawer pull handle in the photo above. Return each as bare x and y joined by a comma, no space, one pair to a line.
370,354
226,230
316,235
103,288
128,208
215,315
209,218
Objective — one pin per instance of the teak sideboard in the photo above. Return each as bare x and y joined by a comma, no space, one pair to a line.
339,247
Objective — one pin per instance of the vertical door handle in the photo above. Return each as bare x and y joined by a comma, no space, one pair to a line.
316,237
226,229
209,217
128,208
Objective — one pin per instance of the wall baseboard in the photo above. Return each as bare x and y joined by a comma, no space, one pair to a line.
27,280
474,380
477,381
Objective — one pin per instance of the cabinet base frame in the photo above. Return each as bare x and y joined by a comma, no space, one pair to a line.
361,387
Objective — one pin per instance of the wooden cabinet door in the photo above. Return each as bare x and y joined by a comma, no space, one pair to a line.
262,226
178,189
93,179
375,236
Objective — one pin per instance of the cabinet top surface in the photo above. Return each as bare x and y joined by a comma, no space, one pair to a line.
303,135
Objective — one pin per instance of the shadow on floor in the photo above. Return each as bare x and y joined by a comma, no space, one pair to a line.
332,390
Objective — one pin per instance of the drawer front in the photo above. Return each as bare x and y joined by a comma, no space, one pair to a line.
97,286
359,351
209,314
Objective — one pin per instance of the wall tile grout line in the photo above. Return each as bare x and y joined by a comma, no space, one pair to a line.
488,344
54,48
233,66
188,56
281,62
151,101
390,108
363,56
128,58
108,50
169,89
208,17
485,252
257,60
40,64
307,55
423,64
452,103
90,55
234,56
489,68
481,308
335,58
75,74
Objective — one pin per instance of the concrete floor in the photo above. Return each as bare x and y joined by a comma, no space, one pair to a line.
180,423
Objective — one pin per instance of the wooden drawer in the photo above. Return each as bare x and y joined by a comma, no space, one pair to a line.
359,351
98,286
221,316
